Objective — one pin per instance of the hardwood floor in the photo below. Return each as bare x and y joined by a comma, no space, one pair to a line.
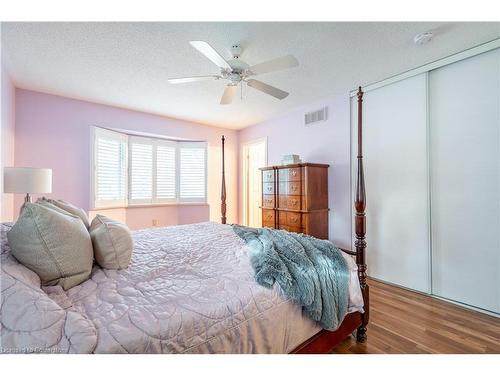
402,321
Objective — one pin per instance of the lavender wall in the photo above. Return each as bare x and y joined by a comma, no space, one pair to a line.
7,140
54,132
326,142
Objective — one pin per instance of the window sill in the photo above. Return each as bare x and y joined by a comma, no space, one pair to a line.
150,205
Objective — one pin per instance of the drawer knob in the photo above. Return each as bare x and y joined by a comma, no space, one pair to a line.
294,173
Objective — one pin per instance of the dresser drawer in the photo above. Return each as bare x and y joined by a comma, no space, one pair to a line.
294,202
290,219
268,188
293,219
289,174
268,201
268,175
291,202
268,218
290,188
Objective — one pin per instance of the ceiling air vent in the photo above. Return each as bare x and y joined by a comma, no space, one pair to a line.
316,116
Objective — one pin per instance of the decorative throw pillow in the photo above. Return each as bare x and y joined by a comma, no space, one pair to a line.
112,242
69,208
52,243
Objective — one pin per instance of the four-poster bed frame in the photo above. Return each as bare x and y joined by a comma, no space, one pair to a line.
325,341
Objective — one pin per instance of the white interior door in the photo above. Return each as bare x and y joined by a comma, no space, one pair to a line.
254,157
395,156
465,172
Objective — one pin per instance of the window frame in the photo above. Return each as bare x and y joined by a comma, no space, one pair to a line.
165,142
154,142
204,145
143,141
97,132
129,139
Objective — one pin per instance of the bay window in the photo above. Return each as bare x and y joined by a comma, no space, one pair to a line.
133,170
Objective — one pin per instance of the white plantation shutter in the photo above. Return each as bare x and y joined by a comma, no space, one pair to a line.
110,168
166,171
192,171
141,170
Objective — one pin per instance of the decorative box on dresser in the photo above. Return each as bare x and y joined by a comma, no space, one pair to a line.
295,198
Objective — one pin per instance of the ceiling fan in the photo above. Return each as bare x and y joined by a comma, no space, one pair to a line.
236,71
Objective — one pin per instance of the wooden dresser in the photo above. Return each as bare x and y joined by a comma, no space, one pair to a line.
295,198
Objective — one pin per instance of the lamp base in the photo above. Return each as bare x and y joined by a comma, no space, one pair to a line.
27,199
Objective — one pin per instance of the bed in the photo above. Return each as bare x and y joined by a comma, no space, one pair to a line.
188,289
176,296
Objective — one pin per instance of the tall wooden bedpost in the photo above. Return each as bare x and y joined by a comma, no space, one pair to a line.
223,189
360,222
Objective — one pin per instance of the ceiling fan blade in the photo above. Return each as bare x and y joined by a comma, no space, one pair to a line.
268,89
280,63
210,53
228,95
192,79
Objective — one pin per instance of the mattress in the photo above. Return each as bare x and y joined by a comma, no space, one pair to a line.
188,289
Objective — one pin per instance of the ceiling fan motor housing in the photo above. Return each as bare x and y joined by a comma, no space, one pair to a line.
234,77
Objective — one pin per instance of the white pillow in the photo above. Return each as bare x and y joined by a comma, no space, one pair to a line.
77,211
112,242
52,243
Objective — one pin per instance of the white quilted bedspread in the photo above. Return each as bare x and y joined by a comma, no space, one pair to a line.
188,289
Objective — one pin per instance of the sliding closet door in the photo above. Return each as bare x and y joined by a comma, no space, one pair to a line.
464,106
395,150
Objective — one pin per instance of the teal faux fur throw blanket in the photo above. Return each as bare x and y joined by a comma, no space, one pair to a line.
313,272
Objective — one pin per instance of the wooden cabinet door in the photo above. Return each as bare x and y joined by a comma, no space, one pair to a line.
268,218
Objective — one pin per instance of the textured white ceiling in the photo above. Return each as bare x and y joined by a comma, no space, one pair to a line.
127,64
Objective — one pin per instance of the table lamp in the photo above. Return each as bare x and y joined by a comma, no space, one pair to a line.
27,180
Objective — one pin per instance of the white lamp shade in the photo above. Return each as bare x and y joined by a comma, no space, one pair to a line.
27,180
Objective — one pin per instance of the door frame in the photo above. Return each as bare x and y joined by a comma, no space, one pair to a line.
244,177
